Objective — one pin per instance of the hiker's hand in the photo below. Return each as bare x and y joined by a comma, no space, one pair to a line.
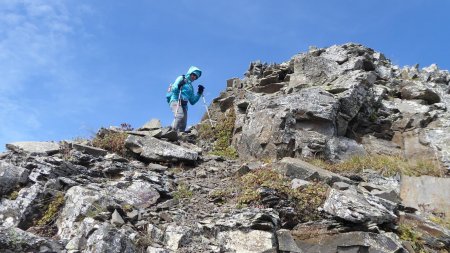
200,89
180,84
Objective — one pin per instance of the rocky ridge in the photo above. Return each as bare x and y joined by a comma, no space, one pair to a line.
168,192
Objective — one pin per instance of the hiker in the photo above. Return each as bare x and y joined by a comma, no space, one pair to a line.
179,101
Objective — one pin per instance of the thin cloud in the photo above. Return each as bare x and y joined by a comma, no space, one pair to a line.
35,53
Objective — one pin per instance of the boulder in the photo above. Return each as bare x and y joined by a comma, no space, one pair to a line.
154,149
292,125
93,236
11,176
137,193
426,193
17,240
357,207
23,210
83,202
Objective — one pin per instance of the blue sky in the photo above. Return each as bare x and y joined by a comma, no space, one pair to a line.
68,68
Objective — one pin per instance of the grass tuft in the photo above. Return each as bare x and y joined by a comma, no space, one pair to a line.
385,165
52,210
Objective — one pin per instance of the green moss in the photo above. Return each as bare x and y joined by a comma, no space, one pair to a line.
307,199
52,210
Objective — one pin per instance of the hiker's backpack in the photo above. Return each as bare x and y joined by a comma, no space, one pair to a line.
169,90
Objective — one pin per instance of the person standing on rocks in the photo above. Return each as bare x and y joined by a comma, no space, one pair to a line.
180,93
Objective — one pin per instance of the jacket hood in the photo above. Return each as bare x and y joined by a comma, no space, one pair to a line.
194,70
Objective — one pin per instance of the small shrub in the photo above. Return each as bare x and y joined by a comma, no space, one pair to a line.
221,196
52,210
386,165
442,221
13,195
408,233
307,199
127,207
221,135
112,141
183,192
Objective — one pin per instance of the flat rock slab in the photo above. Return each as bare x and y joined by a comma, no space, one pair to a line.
89,150
34,148
356,207
296,168
350,242
247,242
426,193
158,150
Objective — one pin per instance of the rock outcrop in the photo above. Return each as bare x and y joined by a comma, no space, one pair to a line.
337,102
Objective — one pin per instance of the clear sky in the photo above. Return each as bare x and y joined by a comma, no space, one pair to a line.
68,68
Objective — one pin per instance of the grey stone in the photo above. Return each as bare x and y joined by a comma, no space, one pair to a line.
133,215
169,134
351,242
116,219
82,201
296,168
34,148
151,125
17,240
102,237
286,242
353,206
248,218
137,193
156,167
11,176
415,90
151,249
22,210
177,236
247,242
89,150
157,150
156,234
296,183
341,186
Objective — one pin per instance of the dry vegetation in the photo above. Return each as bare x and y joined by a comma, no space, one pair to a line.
307,199
385,165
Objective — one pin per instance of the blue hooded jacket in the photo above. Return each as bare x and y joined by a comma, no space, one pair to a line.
187,90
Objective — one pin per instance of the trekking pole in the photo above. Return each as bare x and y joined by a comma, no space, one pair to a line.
207,110
176,112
